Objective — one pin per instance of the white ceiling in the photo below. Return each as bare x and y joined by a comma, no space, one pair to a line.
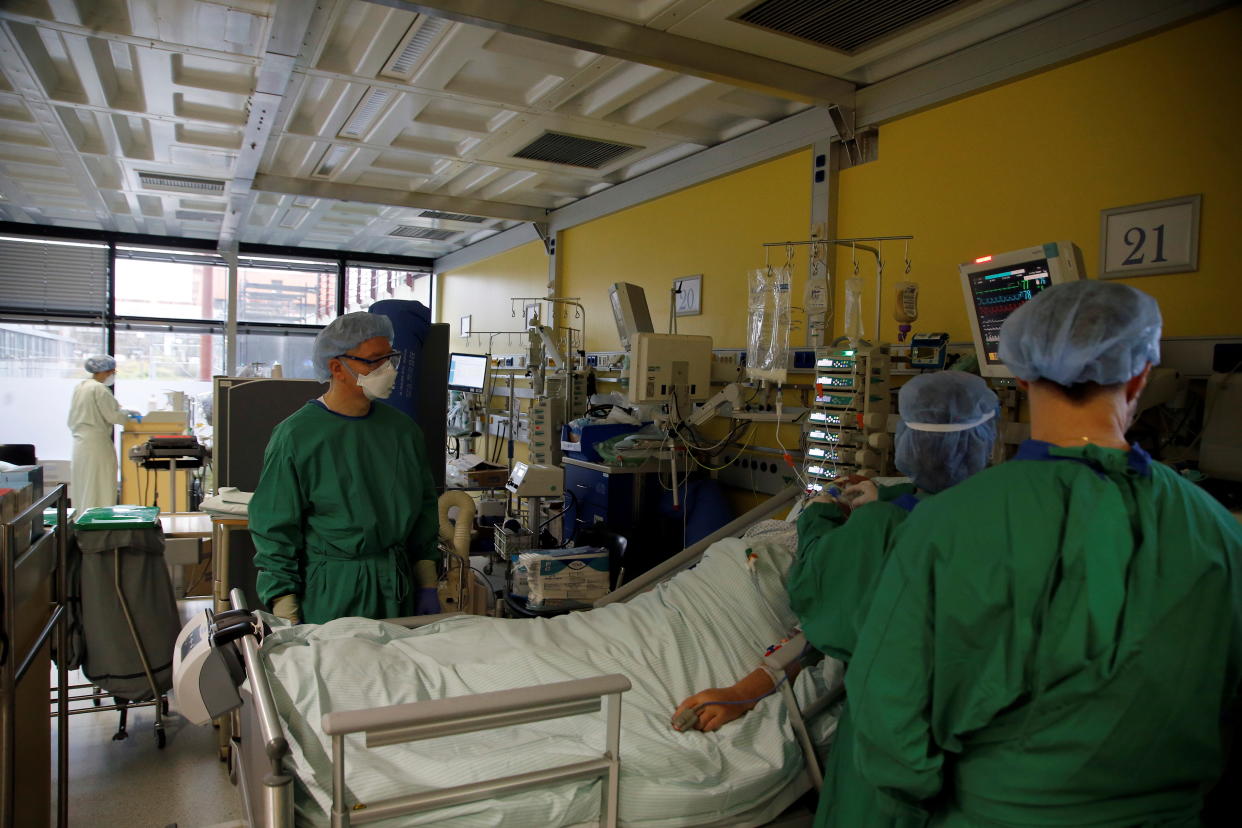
324,135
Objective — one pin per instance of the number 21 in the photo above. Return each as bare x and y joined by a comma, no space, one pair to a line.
1135,256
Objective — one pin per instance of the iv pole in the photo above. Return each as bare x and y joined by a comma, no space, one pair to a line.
853,243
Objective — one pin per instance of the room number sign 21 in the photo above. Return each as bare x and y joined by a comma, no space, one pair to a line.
1151,238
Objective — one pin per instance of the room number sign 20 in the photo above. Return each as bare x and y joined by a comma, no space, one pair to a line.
1151,238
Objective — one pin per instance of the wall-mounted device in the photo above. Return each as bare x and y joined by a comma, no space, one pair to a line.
661,363
629,309
929,350
996,285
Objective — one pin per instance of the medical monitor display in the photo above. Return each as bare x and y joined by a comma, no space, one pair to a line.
997,285
467,372
999,292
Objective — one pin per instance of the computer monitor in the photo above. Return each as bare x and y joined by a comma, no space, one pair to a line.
996,285
467,372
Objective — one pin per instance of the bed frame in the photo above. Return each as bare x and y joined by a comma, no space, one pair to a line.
259,749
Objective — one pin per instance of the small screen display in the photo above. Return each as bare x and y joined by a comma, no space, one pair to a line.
999,292
467,372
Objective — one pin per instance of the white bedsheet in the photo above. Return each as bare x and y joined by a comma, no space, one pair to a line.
706,627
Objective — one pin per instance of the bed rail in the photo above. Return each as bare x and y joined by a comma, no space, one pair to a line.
274,799
689,556
484,711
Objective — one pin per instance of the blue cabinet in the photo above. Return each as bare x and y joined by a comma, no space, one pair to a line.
600,496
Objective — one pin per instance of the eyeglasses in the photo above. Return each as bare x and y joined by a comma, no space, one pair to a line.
394,358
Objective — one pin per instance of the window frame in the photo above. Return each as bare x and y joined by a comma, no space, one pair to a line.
198,251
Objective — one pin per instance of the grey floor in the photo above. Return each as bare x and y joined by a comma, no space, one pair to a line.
132,783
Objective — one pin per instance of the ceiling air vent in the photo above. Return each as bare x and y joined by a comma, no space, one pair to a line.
197,215
844,25
181,183
436,214
413,47
360,121
408,232
559,148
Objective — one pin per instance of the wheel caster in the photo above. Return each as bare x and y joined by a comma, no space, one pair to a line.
160,739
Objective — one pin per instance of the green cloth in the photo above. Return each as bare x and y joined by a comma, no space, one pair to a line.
345,507
830,587
1053,642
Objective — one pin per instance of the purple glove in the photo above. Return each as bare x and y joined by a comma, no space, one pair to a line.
428,602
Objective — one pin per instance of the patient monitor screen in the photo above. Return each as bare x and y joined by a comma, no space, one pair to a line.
998,292
467,372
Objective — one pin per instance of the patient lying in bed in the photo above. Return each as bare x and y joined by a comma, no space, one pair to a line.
702,628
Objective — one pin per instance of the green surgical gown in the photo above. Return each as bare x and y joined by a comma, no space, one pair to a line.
1053,642
830,587
343,510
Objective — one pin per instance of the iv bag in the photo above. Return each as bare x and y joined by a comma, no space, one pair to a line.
853,309
906,308
767,341
817,299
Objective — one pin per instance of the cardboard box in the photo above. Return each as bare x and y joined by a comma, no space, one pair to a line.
565,578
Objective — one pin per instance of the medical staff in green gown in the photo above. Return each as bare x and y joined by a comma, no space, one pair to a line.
1055,641
946,434
344,518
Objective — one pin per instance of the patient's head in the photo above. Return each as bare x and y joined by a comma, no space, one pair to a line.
947,428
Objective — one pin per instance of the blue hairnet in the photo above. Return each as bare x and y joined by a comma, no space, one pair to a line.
100,363
935,460
346,332
1085,331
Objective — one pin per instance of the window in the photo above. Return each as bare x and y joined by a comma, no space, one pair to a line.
368,284
288,291
40,365
162,311
150,363
172,289
292,350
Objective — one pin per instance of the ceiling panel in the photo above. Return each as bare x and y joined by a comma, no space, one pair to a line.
99,99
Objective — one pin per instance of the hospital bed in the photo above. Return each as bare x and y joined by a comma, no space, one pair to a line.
344,761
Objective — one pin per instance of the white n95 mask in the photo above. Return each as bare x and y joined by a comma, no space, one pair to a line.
110,380
377,385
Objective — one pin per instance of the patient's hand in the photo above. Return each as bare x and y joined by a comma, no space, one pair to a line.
711,716
861,492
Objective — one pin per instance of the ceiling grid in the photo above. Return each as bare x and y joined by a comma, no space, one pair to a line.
338,122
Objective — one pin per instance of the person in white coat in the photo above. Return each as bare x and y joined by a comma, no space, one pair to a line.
92,415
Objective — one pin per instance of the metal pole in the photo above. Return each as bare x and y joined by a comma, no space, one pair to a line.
340,813
62,668
838,241
230,330
7,688
612,793
133,631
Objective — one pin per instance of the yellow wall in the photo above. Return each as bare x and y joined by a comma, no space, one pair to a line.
1036,160
482,290
714,228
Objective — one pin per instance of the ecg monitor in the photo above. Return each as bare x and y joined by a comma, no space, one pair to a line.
467,372
997,285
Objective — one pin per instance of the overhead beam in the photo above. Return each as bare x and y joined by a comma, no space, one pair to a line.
290,23
396,198
577,29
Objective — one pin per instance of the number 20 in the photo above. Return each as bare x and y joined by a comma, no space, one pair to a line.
1135,256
